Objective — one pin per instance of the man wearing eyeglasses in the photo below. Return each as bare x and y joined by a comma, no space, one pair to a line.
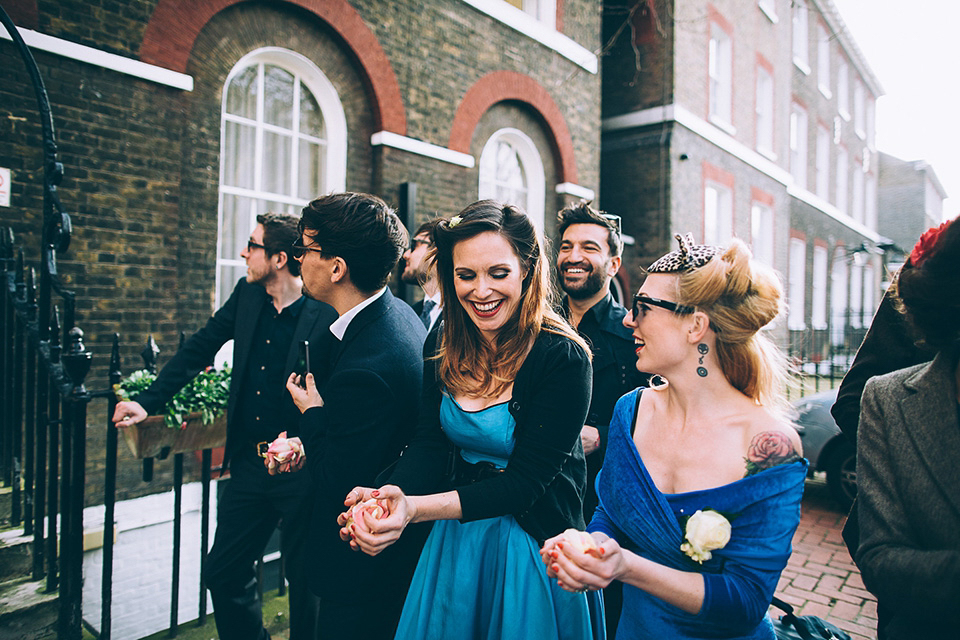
418,271
360,415
587,260
266,317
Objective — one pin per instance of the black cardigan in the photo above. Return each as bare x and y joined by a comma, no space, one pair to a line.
544,481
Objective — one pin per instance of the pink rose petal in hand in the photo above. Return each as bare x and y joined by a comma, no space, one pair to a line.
283,453
582,542
371,506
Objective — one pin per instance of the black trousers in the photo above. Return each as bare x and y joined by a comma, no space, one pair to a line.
366,618
251,506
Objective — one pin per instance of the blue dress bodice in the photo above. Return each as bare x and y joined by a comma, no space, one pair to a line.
482,436
739,579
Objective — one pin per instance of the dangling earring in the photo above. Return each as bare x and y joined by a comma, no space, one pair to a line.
704,350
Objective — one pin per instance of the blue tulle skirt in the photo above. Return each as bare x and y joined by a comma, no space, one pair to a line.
497,589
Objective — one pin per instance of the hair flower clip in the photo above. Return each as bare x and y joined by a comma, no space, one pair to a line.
454,221
926,244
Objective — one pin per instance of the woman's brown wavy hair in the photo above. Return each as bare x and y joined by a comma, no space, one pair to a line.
468,364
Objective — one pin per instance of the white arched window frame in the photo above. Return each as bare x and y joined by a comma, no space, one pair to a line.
511,171
276,155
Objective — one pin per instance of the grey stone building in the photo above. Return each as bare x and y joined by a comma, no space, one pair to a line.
911,200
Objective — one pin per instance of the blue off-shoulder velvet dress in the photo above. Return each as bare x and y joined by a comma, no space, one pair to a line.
484,580
740,579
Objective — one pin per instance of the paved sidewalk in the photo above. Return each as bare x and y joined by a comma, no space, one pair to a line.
821,578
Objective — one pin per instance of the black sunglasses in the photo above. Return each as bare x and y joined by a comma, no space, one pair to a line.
416,242
251,245
639,299
298,249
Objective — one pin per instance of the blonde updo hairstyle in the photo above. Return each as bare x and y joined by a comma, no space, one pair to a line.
740,296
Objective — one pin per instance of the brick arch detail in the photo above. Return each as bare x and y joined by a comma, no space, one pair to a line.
509,85
176,24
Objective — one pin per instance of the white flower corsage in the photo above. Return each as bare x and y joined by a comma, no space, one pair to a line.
706,531
454,221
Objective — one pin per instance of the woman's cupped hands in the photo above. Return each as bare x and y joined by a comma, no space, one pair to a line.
374,518
580,561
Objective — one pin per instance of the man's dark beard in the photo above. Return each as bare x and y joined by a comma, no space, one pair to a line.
419,277
591,285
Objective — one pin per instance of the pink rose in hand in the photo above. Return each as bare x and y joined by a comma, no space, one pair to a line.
284,453
354,518
581,542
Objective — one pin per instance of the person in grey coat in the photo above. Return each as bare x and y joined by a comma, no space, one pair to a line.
908,447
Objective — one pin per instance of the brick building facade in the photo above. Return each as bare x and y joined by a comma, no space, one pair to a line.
178,122
756,120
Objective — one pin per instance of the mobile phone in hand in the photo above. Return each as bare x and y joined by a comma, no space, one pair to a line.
303,363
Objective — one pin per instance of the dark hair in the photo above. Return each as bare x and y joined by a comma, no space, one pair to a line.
464,351
280,231
583,213
362,230
428,228
929,293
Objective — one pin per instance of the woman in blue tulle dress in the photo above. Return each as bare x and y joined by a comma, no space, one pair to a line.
701,485
506,391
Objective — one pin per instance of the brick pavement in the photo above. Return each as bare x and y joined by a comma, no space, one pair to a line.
821,578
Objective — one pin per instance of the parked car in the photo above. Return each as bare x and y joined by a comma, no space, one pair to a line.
826,447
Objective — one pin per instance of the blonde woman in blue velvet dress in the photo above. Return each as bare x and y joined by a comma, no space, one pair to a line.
701,486
506,392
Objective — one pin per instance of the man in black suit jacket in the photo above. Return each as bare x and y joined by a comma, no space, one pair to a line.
587,260
360,415
266,317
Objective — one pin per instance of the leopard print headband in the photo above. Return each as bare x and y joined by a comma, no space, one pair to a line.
688,256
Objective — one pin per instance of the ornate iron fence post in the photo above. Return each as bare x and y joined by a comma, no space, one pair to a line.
77,362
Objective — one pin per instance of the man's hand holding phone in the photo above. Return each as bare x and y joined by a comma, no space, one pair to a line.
301,385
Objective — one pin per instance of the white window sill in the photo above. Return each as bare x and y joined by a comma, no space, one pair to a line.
770,12
826,92
769,154
723,125
543,32
802,66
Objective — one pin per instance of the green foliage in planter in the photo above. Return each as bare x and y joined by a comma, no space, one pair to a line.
206,394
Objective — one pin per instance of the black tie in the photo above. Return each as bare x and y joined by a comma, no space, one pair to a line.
428,306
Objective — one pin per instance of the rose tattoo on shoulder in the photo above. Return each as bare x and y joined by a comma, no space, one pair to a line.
768,449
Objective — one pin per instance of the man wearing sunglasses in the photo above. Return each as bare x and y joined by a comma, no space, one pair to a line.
266,317
417,270
588,258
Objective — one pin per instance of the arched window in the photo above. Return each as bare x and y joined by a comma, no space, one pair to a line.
283,142
511,172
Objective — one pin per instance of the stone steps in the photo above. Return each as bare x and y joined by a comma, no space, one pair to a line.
26,611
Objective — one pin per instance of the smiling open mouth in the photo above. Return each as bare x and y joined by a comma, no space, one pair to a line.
486,309
574,270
